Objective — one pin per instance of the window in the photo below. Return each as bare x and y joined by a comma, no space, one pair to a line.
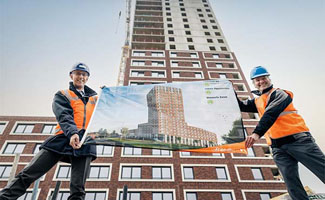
257,173
36,148
188,173
226,196
181,4
212,21
206,33
64,172
202,21
219,65
167,8
96,172
132,151
24,128
221,173
251,152
185,153
138,63
208,10
176,74
186,26
209,40
170,25
131,196
265,196
162,196
191,196
174,64
12,148
223,48
198,75
217,33
188,32
199,10
189,40
209,15
93,195
220,41
168,14
182,9
169,19
157,54
104,150
191,47
230,65
49,128
240,88
139,53
5,171
222,76
205,27
193,55
167,4
171,39
195,64
200,15
172,47
183,14
137,74
161,173
131,172
158,74
2,127
173,54
157,63
212,48
215,55
99,172
170,32
160,152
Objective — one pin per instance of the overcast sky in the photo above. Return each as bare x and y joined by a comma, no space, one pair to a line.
40,41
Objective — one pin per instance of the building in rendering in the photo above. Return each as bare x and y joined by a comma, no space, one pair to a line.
171,41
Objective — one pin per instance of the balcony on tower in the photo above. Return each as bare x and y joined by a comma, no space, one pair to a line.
148,3
154,42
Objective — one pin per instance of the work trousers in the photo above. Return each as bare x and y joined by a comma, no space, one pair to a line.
305,151
41,164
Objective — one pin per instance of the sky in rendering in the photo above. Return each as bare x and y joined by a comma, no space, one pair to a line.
40,41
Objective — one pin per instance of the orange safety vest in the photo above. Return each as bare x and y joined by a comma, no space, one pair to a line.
81,112
289,121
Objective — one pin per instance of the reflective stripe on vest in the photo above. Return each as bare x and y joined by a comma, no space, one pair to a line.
289,121
81,112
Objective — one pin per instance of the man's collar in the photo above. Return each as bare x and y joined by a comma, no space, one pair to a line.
258,93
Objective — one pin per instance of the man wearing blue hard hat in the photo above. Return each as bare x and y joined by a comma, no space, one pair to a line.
72,108
285,131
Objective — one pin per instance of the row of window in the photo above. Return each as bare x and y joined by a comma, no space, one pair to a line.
101,195
137,53
192,64
184,74
28,128
162,173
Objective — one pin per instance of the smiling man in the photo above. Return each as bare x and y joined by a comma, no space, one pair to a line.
285,131
72,108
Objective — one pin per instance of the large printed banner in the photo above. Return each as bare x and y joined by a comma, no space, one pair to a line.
200,116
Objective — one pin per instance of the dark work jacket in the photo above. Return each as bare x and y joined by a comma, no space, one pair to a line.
64,115
278,101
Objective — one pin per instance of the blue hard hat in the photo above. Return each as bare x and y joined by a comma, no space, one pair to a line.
81,67
259,71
